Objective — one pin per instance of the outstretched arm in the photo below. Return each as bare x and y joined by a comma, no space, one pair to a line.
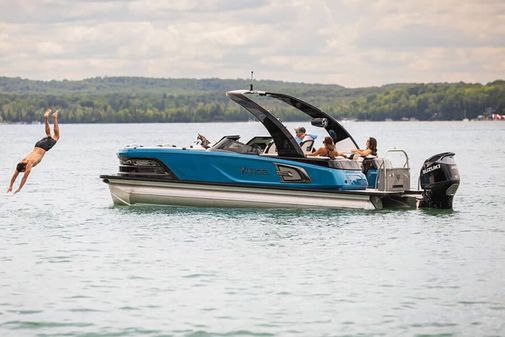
362,153
13,179
366,152
25,177
317,153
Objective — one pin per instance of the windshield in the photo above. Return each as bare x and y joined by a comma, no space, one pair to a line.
233,145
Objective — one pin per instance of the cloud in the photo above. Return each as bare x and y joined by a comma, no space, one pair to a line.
348,42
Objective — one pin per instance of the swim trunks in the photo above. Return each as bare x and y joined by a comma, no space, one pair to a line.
46,143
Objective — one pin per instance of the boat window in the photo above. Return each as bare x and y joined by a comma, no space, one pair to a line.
260,141
231,143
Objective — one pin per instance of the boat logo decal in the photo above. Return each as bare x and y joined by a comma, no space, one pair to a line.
253,171
432,168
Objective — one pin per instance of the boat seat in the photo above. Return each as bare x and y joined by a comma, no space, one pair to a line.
373,162
343,163
307,146
271,148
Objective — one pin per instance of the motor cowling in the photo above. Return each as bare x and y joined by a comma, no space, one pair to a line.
439,179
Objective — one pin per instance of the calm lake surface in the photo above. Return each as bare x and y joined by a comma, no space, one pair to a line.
71,264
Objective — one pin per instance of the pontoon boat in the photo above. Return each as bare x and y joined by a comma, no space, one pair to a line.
274,172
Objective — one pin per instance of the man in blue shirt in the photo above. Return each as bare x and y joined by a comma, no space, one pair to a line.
302,136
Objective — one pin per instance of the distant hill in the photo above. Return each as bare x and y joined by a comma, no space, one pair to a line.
147,85
140,99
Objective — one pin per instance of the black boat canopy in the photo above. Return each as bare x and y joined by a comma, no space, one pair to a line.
284,140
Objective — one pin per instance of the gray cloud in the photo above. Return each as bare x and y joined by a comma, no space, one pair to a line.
349,42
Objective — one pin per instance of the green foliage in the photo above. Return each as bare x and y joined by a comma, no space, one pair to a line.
137,99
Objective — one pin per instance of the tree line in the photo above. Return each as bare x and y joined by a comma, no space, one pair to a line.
137,99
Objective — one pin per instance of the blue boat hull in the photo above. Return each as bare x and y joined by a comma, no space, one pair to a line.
217,167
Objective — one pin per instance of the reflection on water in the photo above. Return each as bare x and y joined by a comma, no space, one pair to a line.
71,264
232,212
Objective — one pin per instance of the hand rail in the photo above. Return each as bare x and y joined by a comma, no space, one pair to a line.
406,164
383,165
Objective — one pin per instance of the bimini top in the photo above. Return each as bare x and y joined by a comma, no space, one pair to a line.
283,139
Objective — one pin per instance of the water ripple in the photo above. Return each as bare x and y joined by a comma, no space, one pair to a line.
68,257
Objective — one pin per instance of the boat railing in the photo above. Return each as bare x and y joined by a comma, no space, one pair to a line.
392,178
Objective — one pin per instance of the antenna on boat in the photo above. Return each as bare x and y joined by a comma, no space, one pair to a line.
251,86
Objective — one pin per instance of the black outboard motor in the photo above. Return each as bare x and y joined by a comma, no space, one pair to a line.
439,179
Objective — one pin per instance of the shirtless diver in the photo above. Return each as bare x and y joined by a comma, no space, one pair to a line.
38,152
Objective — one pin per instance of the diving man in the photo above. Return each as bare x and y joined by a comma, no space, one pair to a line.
38,152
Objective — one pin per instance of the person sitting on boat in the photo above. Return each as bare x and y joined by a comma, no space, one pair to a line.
327,150
371,149
302,135
38,152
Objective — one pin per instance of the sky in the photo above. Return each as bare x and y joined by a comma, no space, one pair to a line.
353,43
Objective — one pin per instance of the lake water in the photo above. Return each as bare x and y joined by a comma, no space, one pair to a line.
71,264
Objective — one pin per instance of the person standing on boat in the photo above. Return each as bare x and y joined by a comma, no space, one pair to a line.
302,136
328,150
38,152
371,149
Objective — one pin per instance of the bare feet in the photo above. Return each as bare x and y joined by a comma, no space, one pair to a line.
48,111
55,114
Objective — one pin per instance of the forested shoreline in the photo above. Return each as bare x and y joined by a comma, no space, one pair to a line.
139,99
